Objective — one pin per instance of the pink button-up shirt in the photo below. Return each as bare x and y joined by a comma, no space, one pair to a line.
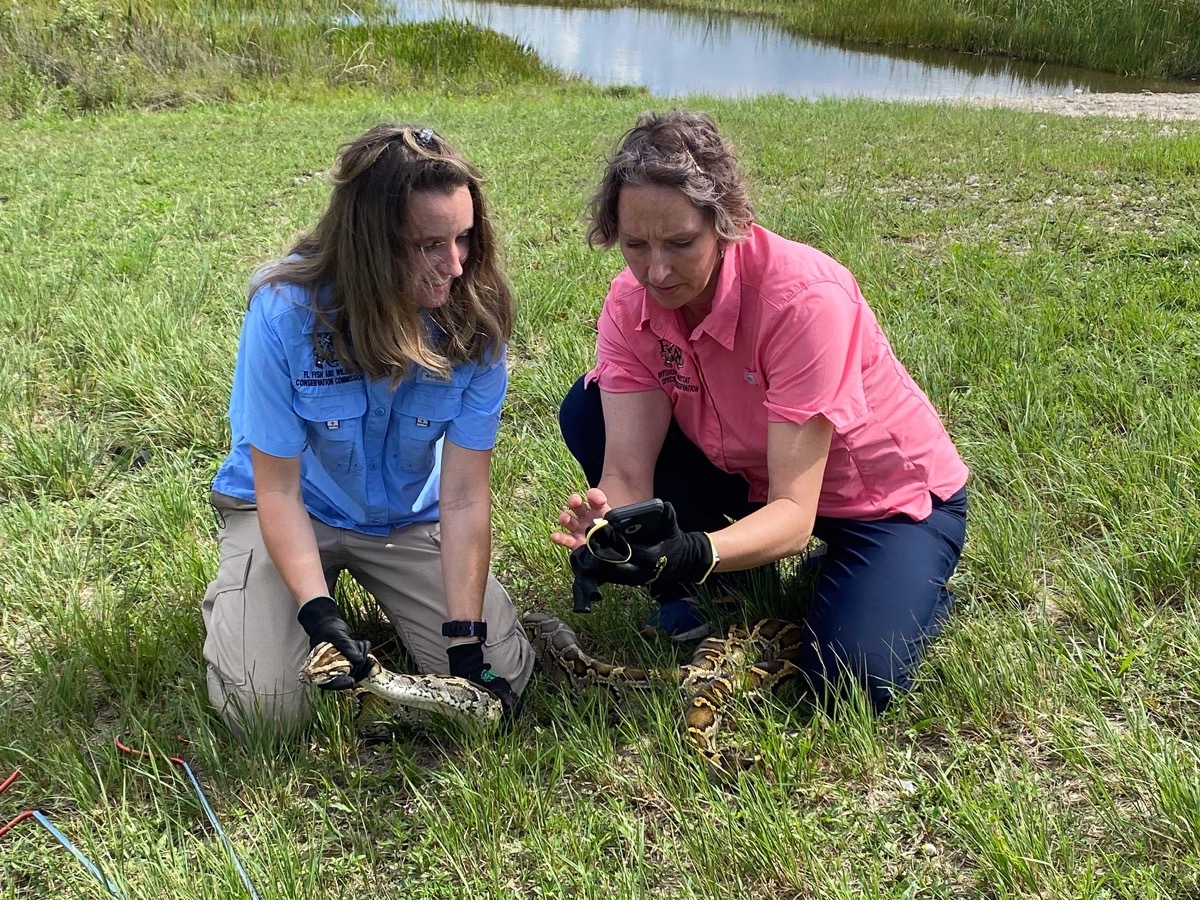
789,337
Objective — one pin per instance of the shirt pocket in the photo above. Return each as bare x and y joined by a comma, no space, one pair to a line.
419,420
333,425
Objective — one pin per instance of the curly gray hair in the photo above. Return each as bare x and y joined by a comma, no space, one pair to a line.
678,149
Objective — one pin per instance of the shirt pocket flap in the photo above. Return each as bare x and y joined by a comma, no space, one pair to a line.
330,407
440,404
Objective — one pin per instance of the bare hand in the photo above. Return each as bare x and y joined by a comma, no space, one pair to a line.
580,515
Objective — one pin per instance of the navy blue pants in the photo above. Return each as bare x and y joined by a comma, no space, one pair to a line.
881,592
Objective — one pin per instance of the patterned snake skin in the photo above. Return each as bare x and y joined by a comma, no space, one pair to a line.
742,662
409,697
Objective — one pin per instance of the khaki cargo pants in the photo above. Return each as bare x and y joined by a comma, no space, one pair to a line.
254,646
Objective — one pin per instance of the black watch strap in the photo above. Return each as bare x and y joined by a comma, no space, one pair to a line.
460,628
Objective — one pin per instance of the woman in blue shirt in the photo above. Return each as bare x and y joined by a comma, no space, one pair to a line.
365,402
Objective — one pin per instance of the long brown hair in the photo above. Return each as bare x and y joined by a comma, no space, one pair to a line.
678,149
357,250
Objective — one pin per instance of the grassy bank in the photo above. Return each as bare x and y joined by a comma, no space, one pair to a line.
1149,38
1039,278
88,55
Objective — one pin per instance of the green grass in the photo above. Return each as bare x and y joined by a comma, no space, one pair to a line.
1148,38
1037,275
87,55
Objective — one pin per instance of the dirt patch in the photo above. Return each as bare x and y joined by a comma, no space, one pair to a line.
1145,105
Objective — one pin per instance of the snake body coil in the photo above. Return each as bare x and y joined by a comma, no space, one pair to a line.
745,661
446,695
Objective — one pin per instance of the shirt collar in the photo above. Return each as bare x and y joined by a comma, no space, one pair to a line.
721,321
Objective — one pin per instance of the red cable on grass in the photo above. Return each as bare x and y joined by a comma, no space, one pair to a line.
8,826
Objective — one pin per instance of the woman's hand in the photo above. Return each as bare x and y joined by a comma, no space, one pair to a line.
578,518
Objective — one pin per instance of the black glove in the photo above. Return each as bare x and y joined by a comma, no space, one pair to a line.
585,589
685,557
604,545
466,661
323,621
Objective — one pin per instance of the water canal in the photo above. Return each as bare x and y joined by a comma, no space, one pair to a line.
673,54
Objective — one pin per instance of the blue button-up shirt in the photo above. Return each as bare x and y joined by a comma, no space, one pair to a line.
370,457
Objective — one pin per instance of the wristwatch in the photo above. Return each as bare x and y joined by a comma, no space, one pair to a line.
459,628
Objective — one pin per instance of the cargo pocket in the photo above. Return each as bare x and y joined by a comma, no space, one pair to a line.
333,426
225,619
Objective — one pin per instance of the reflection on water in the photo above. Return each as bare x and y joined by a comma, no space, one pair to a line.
674,54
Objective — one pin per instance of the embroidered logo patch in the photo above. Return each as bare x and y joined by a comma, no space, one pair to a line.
326,371
323,354
671,354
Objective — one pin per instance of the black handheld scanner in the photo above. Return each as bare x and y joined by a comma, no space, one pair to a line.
609,541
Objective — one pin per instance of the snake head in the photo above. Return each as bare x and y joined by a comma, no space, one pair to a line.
325,663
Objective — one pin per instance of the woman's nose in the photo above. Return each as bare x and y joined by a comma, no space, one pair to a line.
452,262
659,267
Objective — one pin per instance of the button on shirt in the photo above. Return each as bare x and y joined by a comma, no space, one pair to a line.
789,337
370,457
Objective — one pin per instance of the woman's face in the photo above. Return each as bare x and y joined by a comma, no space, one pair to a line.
438,236
670,246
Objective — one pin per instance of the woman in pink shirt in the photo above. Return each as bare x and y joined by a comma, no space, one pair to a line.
742,378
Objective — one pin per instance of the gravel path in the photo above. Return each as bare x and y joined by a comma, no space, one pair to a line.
1145,105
